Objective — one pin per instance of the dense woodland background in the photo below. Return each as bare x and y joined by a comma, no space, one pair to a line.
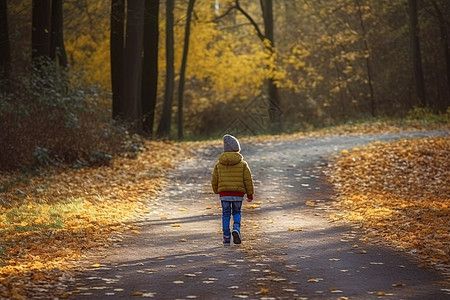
78,76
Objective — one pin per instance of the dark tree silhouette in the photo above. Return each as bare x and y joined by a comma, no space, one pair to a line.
5,48
150,65
166,118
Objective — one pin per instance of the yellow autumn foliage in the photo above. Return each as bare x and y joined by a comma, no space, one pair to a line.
228,64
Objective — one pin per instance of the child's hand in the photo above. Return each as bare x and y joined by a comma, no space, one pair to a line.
249,200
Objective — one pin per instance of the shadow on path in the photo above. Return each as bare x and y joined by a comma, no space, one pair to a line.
290,248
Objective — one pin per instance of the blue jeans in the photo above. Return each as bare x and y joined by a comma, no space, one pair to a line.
231,208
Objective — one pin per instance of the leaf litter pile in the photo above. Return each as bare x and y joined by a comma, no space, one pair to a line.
69,211
399,192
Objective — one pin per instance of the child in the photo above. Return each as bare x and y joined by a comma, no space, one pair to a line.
232,179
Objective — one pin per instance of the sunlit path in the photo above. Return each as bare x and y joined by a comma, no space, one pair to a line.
290,248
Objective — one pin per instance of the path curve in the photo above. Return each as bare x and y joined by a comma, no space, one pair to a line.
290,250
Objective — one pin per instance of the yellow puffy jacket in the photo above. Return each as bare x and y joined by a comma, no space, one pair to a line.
232,176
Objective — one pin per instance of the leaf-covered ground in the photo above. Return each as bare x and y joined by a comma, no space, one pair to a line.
69,211
400,192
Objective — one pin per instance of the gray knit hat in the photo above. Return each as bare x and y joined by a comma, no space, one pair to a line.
230,144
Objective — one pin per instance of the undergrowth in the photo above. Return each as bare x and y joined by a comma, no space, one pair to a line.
47,120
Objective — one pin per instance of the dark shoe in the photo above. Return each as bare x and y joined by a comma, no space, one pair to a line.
226,240
236,236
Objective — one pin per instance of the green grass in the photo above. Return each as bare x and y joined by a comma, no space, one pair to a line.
427,116
39,217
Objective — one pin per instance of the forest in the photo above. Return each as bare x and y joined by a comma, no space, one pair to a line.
78,77
110,118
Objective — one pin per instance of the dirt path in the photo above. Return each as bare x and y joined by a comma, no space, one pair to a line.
290,249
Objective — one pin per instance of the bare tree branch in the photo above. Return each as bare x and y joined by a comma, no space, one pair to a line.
261,36
255,25
224,14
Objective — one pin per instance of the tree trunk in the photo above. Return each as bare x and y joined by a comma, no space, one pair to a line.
5,48
40,35
445,102
183,68
57,49
416,55
274,105
132,68
165,123
116,53
150,65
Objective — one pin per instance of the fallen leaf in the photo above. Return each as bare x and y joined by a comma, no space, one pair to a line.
253,206
148,295
399,284
279,279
